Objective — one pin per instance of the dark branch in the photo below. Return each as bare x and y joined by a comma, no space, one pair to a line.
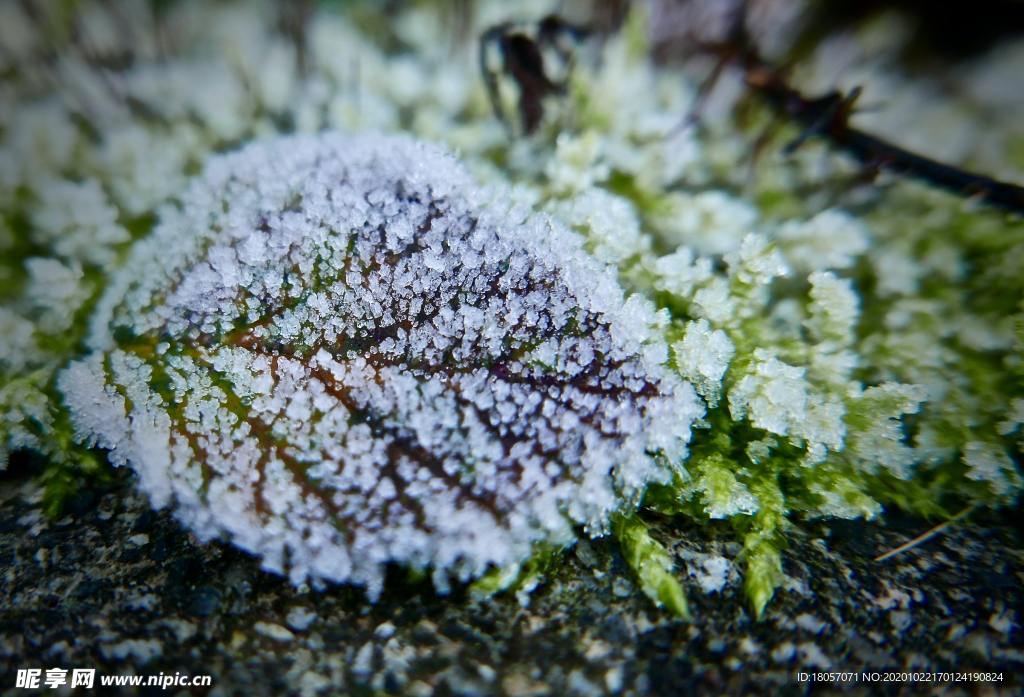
522,59
828,117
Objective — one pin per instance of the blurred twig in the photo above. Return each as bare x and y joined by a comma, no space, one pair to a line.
828,117
521,49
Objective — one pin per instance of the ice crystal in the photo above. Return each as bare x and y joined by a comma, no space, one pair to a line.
334,354
710,222
703,357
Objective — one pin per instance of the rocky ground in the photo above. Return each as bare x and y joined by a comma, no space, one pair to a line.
116,586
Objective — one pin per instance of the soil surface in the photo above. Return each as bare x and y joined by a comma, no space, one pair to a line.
115,586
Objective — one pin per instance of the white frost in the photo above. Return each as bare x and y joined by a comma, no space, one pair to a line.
333,355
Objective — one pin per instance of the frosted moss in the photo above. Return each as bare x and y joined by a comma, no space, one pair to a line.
335,355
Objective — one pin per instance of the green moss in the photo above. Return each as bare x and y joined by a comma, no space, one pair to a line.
763,542
652,564
518,578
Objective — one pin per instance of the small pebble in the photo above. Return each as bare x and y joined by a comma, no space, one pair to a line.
273,631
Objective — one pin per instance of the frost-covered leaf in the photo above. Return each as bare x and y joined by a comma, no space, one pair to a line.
334,354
